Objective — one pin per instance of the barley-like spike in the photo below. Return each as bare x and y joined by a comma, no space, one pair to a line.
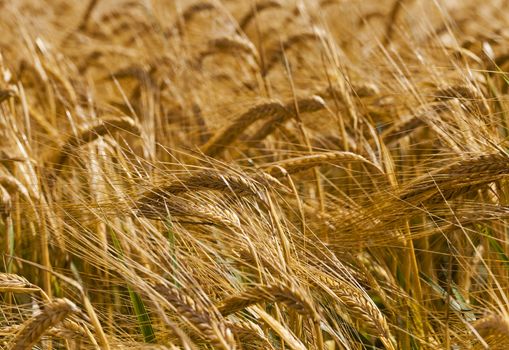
173,206
90,134
51,315
297,164
5,94
231,45
458,91
230,133
210,328
304,105
290,42
287,294
208,180
250,333
10,282
358,306
256,9
457,178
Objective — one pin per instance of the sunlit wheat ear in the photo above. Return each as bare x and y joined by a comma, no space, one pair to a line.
462,176
300,105
458,91
190,12
69,329
494,330
201,319
465,93
51,315
174,207
14,283
288,294
298,164
391,21
358,306
275,55
6,94
227,135
12,185
100,128
255,10
86,15
249,333
232,45
405,126
212,180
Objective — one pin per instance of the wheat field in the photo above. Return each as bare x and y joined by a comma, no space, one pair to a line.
254,174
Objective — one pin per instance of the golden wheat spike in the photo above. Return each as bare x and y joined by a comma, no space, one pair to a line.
226,136
302,105
292,41
51,315
298,164
288,294
255,10
103,127
232,45
211,329
460,177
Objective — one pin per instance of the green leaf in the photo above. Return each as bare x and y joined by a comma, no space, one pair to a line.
140,311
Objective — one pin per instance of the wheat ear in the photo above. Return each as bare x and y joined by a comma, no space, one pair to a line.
230,133
173,206
458,178
357,305
103,127
290,42
255,10
198,317
288,294
231,45
10,282
300,105
298,164
51,315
